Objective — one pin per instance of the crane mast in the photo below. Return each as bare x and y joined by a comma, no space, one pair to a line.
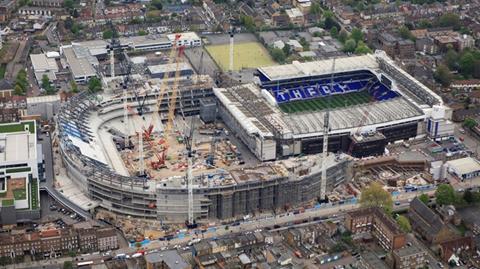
326,129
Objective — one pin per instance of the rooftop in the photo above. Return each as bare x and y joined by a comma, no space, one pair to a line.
80,67
297,69
163,68
465,165
41,62
408,250
170,257
17,141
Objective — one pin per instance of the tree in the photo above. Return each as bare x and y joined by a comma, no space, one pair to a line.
75,29
334,32
248,22
356,34
449,20
68,4
442,75
47,85
330,22
156,4
469,123
18,90
94,84
68,23
315,9
468,197
67,265
467,64
74,86
445,195
138,245
424,198
404,224
287,49
451,58
278,55
405,33
362,48
375,195
142,32
107,34
349,45
304,43
342,36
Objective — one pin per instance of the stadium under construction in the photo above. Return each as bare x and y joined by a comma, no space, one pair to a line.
137,152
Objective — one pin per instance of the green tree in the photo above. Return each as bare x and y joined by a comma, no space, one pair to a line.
75,29
287,50
68,4
442,75
468,197
451,58
356,34
469,123
342,36
405,33
334,32
375,195
107,34
362,48
248,22
73,86
138,245
278,55
467,64
47,85
315,9
156,4
449,20
349,45
142,32
67,265
424,198
304,43
18,90
404,224
94,84
445,195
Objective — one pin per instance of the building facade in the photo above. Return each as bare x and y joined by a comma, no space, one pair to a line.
378,224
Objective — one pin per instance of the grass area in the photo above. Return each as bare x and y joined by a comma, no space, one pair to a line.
17,127
17,170
3,69
245,55
34,193
7,202
3,194
20,194
336,101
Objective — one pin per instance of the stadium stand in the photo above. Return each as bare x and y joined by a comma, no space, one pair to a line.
317,87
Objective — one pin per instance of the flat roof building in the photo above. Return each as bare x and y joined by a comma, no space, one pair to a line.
465,168
20,170
43,65
80,64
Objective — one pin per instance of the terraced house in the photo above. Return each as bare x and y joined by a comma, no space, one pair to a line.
21,166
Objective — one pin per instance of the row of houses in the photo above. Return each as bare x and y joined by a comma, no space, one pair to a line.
58,241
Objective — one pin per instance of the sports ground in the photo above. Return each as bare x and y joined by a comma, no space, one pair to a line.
334,101
245,55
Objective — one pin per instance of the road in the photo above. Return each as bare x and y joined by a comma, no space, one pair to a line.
47,185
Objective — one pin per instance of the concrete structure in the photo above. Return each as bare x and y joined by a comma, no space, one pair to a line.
296,16
44,106
21,167
159,71
381,226
465,168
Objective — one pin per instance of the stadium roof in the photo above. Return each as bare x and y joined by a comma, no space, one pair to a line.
341,120
297,69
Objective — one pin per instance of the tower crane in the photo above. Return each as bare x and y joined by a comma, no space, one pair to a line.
326,130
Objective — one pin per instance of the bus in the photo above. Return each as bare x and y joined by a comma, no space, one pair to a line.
84,264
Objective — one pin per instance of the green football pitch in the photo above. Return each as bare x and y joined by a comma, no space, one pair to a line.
336,101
